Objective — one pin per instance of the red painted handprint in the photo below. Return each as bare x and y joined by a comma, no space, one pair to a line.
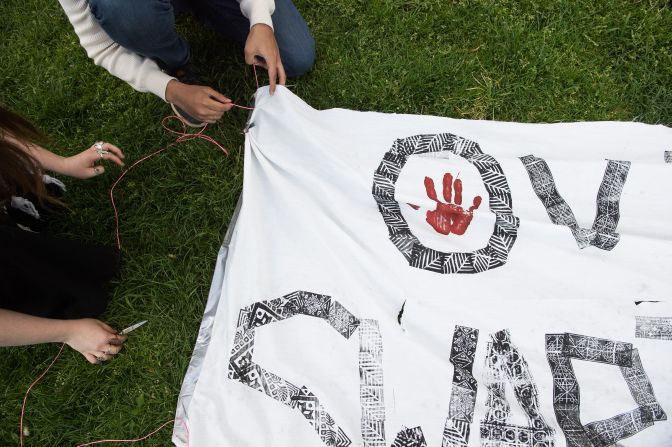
449,217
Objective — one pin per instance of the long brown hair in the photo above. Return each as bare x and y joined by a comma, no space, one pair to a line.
20,172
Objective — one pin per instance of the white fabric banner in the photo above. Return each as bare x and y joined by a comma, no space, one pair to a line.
402,280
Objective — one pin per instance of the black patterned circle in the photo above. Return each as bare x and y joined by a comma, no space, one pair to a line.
494,254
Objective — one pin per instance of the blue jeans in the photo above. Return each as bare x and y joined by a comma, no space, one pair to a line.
147,27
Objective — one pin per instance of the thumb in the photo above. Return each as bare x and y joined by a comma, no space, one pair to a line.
96,170
214,94
118,339
249,57
259,61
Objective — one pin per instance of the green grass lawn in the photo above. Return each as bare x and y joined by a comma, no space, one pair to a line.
519,60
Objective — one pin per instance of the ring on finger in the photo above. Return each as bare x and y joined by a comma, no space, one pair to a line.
98,147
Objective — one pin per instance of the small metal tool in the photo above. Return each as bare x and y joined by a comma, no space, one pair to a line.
132,328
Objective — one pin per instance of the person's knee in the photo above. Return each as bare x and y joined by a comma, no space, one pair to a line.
111,11
126,20
300,60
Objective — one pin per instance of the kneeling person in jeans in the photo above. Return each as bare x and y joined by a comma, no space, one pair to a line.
136,41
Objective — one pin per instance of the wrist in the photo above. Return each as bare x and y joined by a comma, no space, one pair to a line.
261,25
173,90
59,165
64,330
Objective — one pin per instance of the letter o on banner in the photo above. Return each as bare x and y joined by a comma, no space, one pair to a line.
505,231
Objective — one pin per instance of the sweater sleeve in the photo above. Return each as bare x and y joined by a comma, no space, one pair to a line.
141,73
258,11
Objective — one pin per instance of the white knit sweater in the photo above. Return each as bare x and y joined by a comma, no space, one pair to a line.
139,72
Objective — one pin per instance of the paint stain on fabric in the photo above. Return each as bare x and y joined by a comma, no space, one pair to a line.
401,313
449,217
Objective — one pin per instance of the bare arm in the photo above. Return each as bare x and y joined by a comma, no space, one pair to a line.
92,338
80,166
47,159
20,329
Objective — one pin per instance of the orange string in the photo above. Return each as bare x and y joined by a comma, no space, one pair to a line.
25,397
182,137
102,441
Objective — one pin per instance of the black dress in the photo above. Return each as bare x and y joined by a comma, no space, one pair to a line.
45,276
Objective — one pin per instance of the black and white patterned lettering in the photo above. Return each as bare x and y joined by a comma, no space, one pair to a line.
560,349
603,232
243,369
668,156
371,384
410,437
505,363
462,400
656,328
494,254
463,394
595,349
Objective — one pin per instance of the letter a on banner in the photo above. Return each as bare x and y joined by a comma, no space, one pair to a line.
505,363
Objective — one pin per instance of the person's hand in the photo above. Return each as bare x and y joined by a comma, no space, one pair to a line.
199,101
83,165
95,340
261,49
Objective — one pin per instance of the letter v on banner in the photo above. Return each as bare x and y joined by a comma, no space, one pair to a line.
603,232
